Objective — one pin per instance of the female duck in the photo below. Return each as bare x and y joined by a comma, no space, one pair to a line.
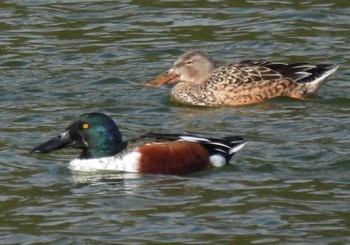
247,82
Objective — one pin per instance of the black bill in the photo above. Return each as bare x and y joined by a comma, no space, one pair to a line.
61,141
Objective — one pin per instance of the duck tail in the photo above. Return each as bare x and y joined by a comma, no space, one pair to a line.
310,77
315,76
233,144
220,150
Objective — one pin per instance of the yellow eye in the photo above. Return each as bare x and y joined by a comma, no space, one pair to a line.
85,125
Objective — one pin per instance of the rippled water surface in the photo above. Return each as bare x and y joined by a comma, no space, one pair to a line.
289,185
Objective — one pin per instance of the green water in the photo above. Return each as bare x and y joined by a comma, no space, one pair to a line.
58,59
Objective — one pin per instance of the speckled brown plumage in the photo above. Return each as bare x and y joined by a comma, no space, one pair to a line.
247,82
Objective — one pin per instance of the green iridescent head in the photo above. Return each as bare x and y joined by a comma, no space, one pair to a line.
95,133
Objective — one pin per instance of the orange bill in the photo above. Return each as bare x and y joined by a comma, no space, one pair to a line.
164,78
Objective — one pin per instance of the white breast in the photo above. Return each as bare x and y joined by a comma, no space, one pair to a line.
128,163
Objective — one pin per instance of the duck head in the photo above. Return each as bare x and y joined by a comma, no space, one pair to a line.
192,67
95,134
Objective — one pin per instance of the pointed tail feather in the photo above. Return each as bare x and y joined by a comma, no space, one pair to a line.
220,156
317,76
309,76
220,150
235,143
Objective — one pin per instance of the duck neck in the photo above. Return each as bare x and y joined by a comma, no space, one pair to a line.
103,145
100,152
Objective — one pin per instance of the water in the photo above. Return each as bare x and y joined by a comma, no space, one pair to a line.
58,59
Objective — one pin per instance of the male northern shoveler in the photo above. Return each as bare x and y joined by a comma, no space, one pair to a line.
246,82
103,149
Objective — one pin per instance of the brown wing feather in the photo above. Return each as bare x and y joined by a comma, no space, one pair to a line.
176,157
243,84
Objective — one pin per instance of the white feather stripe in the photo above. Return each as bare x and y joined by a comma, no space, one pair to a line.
193,139
202,140
303,73
219,144
237,147
313,85
324,75
304,66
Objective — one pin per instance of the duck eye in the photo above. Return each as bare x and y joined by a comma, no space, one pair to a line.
188,62
85,126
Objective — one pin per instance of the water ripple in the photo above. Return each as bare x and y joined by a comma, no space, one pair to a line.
289,185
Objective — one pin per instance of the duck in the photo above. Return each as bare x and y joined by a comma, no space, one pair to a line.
102,148
202,83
